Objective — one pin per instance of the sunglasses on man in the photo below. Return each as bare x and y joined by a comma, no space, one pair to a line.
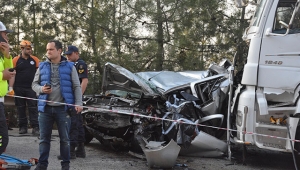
26,48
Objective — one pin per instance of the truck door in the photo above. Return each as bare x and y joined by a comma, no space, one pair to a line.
279,62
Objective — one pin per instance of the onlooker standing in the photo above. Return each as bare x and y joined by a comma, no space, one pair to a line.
5,74
56,81
77,134
25,65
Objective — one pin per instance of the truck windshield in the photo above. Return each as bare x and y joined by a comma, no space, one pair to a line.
258,13
284,13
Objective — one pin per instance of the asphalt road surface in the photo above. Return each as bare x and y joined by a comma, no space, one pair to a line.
102,158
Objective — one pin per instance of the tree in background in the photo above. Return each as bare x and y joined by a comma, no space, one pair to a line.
138,35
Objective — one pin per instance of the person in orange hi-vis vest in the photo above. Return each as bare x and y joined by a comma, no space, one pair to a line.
25,65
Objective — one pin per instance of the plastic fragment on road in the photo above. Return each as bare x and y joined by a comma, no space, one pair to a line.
161,156
205,145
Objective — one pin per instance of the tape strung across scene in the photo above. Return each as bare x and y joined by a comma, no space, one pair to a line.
157,118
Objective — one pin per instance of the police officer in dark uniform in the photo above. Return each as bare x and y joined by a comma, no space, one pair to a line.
77,135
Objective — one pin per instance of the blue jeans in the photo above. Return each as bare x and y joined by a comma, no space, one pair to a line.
46,120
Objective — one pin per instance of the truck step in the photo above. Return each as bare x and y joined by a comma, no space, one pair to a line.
270,126
281,104
283,110
276,147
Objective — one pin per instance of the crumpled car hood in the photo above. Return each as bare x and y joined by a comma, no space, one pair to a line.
166,80
116,77
149,83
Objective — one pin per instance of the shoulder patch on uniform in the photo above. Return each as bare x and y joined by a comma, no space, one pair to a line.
80,69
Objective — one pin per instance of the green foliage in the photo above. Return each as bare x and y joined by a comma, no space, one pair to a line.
140,35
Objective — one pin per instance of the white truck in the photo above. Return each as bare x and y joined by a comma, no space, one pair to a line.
264,107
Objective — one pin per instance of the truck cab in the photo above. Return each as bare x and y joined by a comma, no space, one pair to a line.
265,105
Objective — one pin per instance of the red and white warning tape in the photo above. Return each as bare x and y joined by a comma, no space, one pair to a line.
158,118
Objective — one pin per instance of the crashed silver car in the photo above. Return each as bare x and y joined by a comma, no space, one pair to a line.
134,109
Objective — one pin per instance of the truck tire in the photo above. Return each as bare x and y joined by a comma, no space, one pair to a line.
297,146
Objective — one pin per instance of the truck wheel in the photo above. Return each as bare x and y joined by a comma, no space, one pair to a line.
88,136
297,146
297,136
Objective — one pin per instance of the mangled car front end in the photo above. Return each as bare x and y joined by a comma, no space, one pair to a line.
136,108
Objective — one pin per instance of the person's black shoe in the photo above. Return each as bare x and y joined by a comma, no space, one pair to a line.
22,130
65,167
36,131
40,167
